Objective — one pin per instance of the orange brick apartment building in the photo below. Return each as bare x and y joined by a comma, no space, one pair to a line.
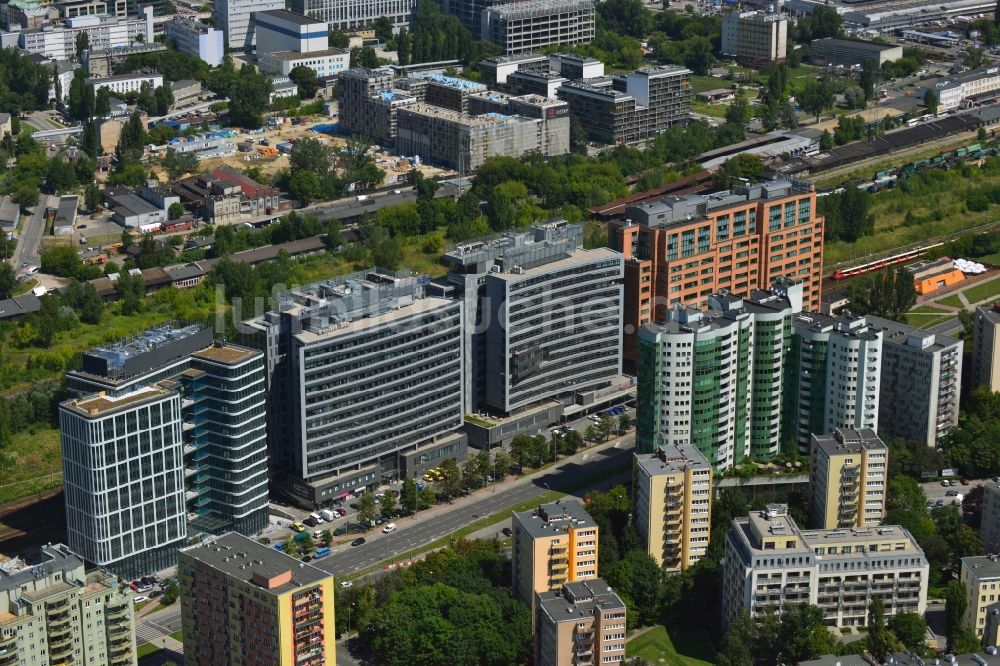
682,249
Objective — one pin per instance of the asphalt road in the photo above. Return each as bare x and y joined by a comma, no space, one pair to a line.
418,530
160,623
347,210
31,235
935,491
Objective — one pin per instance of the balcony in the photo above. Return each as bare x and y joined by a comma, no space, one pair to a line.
124,657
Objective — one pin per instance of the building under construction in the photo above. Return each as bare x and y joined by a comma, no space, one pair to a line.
519,27
632,108
464,142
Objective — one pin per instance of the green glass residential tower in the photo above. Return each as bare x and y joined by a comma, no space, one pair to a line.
713,378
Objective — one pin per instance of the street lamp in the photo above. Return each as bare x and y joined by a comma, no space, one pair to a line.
349,619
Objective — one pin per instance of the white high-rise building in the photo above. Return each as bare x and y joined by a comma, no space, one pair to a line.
123,466
833,376
354,14
196,39
234,17
755,38
986,348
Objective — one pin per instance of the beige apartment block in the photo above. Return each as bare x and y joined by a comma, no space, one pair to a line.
981,578
553,545
848,479
582,623
673,504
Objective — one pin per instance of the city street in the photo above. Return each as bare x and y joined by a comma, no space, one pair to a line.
31,235
427,526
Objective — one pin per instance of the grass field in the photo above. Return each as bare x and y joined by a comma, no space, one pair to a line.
982,292
147,649
925,316
31,463
682,648
936,207
952,300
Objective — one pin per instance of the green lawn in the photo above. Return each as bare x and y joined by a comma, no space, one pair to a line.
714,110
703,83
683,648
982,292
952,300
925,316
30,463
25,287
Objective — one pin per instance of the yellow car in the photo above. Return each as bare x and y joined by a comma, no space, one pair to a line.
298,527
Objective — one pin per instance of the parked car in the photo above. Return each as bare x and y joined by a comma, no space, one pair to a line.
139,599
317,517
155,593
342,511
360,541
965,482
307,558
298,527
506,531
310,521
951,493
391,527
346,584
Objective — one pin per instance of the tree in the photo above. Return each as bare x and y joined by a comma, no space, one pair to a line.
61,260
505,205
624,422
451,485
175,211
890,293
826,140
382,27
82,43
81,97
816,97
171,594
340,40
163,99
733,171
305,78
60,176
249,97
178,164
910,628
367,509
501,465
83,297
408,496
26,194
89,141
867,80
131,142
131,289
427,498
735,649
102,102
931,101
326,538
739,113
403,45
364,56
8,280
876,628
954,611
387,503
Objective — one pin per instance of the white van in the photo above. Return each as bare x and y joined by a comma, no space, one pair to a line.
318,518
391,527
327,514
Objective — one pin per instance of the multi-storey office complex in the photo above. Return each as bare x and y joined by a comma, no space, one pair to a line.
197,39
124,84
352,15
58,42
847,479
575,67
986,348
989,528
713,379
280,30
326,64
582,623
365,382
368,104
550,115
470,263
633,108
235,18
771,564
833,374
552,545
553,328
465,142
54,612
494,71
673,504
123,467
921,382
683,249
852,52
245,603
196,409
980,576
530,25
754,38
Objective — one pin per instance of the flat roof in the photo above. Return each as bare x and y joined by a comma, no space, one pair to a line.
295,55
225,353
576,256
244,559
671,459
552,519
578,600
365,322
845,441
99,404
854,44
982,566
910,336
290,17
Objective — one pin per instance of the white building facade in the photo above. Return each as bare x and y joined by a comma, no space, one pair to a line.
234,17
104,32
127,83
196,39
